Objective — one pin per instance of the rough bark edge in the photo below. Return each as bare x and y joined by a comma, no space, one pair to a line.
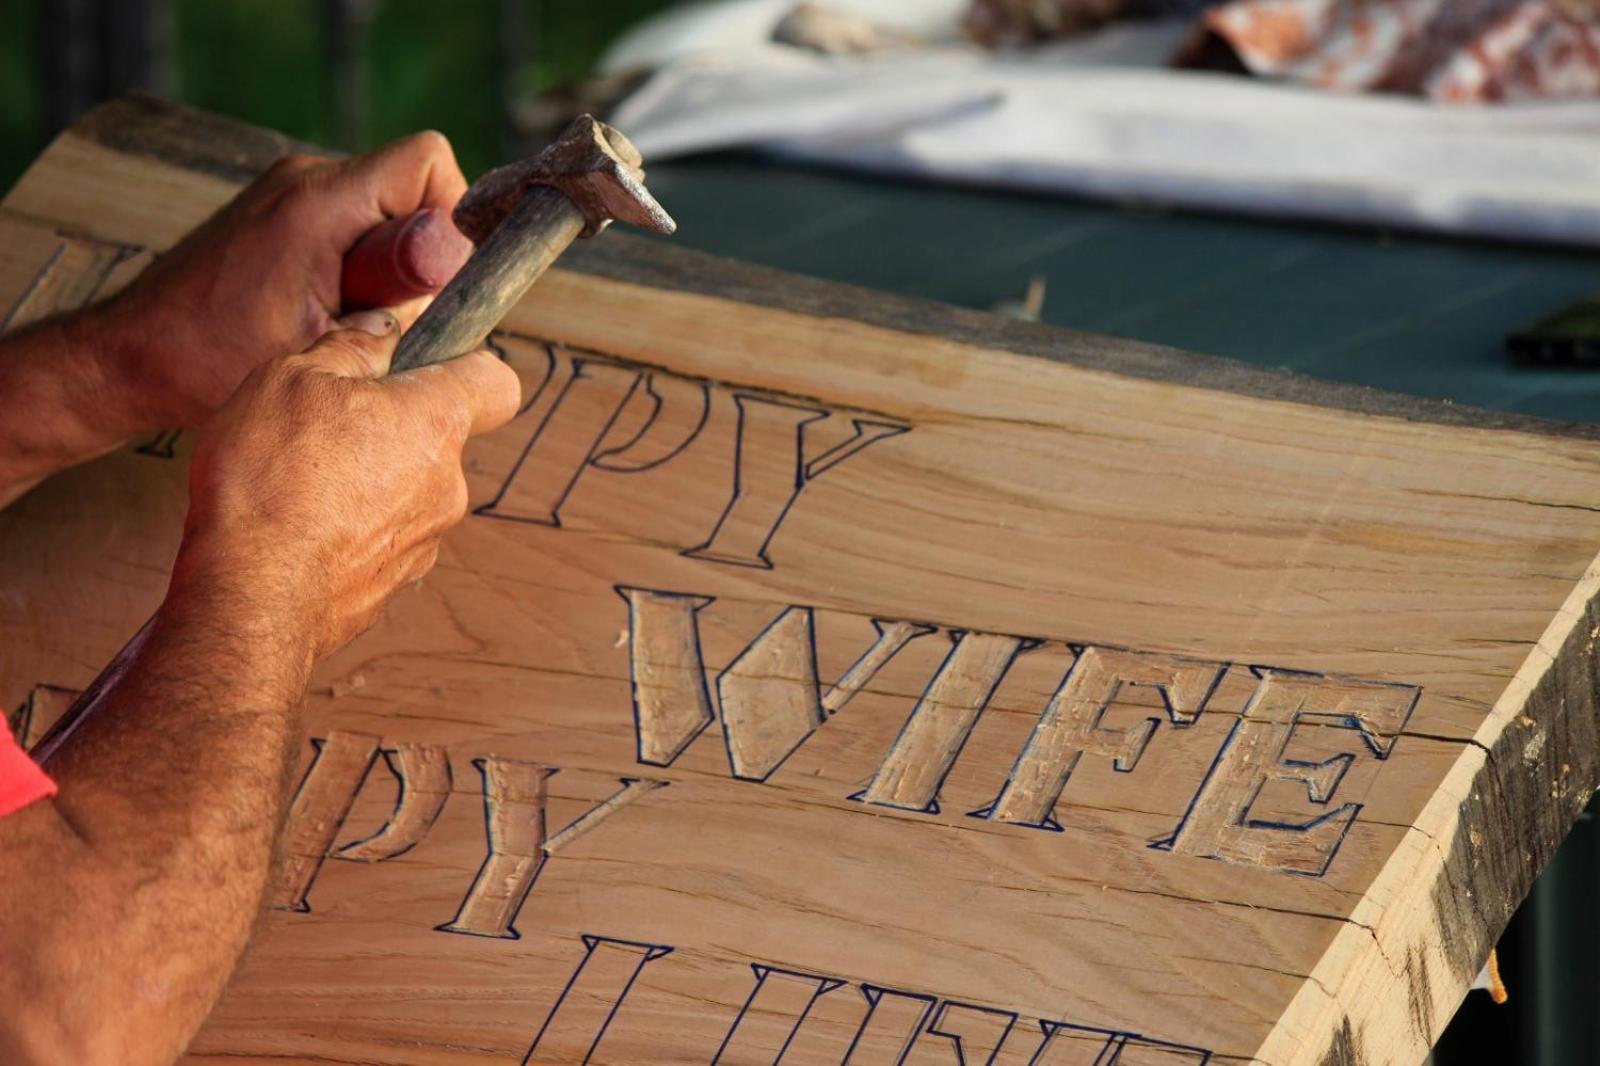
144,125
1383,994
1536,779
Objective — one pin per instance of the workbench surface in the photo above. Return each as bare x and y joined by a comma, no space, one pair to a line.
1400,311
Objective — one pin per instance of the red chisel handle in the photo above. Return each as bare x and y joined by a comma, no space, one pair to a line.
401,259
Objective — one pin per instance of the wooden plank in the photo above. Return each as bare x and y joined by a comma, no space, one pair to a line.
841,678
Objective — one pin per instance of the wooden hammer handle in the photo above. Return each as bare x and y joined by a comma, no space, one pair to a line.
509,260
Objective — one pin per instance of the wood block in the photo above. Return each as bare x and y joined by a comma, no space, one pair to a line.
827,677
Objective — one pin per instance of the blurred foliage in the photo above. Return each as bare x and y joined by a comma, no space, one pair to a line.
431,65
259,60
20,137
574,33
428,64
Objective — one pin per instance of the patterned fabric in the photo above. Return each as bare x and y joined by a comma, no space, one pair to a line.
1010,23
1458,51
21,780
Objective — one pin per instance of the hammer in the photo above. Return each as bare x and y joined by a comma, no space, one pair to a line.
522,216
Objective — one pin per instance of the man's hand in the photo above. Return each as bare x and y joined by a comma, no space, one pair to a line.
322,486
260,278
320,489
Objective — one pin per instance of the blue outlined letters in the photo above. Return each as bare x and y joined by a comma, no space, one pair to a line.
1071,725
771,701
595,413
886,1027
1222,823
592,1000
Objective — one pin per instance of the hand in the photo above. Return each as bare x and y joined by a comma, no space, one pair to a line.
319,489
259,279
322,487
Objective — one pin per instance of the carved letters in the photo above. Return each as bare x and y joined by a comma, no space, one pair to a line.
633,790
892,1023
514,797
75,271
774,461
670,702
592,413
423,773
771,701
894,1026
318,810
771,696
515,801
975,1033
910,775
592,1000
771,1017
1071,726
589,397
1221,823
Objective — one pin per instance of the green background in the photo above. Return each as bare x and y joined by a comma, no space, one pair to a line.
428,65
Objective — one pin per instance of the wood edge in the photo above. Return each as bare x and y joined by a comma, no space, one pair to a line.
1538,768
1497,818
652,263
147,125
142,124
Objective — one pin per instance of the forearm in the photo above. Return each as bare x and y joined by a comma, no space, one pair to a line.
66,405
143,888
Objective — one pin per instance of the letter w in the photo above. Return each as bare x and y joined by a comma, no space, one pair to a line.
770,695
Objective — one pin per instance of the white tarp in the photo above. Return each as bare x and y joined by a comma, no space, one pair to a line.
1101,117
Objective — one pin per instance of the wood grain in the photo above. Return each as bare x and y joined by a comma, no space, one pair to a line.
834,677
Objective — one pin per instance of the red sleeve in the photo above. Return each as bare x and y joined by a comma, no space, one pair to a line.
21,780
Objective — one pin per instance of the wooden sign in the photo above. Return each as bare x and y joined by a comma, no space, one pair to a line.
827,678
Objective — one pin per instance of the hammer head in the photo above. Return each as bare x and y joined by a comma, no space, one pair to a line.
592,164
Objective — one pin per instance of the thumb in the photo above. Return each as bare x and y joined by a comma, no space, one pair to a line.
360,347
489,390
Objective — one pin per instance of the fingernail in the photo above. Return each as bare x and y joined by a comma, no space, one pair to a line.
377,323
